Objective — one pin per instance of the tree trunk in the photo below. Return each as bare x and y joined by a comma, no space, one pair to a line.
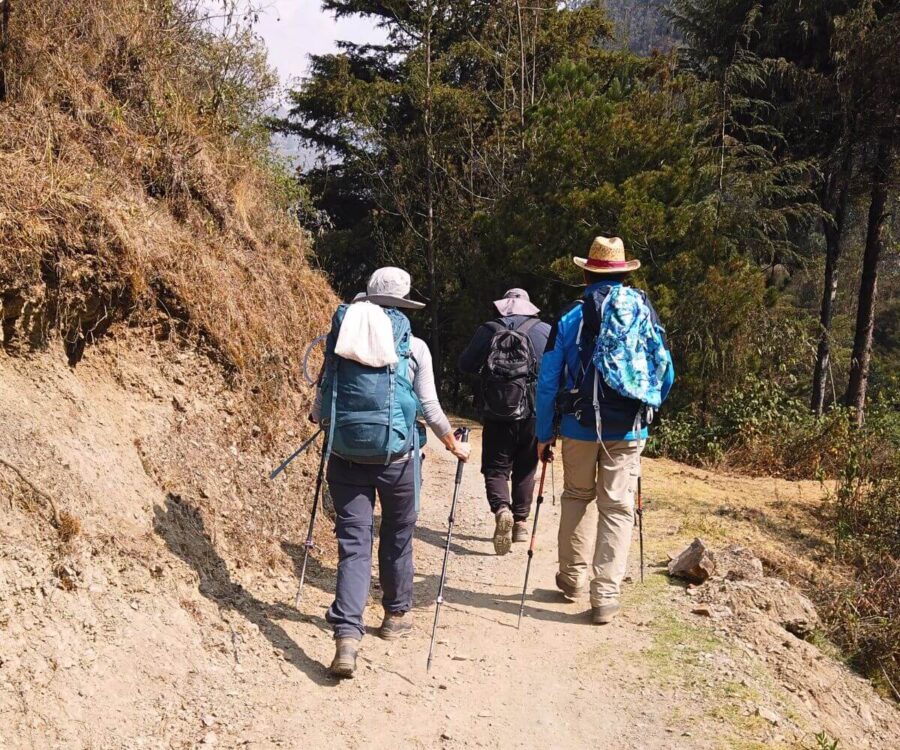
868,287
521,74
431,260
836,198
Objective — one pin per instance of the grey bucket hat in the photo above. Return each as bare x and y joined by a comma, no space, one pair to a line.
390,287
516,302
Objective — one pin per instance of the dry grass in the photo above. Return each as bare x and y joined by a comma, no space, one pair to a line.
128,197
69,527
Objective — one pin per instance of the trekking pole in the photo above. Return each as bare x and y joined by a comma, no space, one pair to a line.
640,515
546,458
294,455
553,483
308,544
463,436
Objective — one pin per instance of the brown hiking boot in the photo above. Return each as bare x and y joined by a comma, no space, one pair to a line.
605,613
395,625
520,531
568,591
503,531
344,662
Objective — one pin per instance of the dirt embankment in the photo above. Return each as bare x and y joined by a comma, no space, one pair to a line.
159,612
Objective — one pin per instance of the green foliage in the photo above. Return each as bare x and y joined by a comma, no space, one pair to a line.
483,148
825,742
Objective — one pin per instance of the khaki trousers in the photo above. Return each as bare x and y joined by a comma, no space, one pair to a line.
597,514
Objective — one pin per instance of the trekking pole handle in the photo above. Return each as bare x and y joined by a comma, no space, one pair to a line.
461,434
548,454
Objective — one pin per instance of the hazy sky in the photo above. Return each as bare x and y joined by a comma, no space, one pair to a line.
294,29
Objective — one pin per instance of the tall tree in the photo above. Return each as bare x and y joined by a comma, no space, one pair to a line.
425,132
867,51
811,97
868,287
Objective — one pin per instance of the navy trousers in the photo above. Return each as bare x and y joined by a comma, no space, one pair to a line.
353,490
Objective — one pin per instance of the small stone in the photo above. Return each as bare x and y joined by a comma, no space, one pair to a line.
768,714
210,739
484,714
208,720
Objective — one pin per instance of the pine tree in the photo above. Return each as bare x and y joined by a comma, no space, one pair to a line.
425,132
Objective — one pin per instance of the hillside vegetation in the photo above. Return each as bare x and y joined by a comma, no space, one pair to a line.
137,189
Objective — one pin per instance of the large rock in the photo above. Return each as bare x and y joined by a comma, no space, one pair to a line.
696,562
738,563
771,598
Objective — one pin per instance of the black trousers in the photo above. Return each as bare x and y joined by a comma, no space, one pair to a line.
509,451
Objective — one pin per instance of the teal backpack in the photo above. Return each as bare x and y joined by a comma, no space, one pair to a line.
369,413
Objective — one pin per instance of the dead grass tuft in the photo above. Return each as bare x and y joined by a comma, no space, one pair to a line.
69,527
135,190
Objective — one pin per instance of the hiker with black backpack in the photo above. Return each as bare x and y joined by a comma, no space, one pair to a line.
505,355
606,368
377,379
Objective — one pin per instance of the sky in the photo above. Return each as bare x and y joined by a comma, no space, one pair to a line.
294,29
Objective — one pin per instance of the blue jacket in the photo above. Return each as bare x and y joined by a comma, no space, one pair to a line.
562,362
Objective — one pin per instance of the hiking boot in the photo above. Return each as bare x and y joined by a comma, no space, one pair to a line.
520,531
395,625
568,591
605,613
344,662
503,531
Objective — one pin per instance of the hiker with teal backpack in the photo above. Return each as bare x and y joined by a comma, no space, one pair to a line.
606,369
377,380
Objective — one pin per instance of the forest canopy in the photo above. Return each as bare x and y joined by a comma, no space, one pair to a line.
751,169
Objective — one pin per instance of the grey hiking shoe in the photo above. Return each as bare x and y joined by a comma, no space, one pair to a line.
605,613
503,531
568,591
344,662
395,625
520,531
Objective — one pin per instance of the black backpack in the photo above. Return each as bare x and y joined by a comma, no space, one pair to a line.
509,372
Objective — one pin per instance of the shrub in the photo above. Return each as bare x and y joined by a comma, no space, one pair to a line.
758,427
864,616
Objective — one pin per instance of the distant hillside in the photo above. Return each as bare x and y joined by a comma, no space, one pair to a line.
642,25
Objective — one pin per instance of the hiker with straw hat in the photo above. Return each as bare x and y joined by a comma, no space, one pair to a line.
504,354
603,432
378,378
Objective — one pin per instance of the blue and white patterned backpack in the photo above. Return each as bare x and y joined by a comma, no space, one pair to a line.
630,351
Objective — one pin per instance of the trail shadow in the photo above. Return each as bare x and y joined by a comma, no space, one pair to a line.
318,574
504,606
439,539
181,527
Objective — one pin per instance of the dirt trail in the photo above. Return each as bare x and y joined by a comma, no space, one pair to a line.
170,638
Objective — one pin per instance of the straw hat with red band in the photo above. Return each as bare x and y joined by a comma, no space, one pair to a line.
607,255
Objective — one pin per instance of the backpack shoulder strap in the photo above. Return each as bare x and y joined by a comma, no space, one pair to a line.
527,325
495,326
